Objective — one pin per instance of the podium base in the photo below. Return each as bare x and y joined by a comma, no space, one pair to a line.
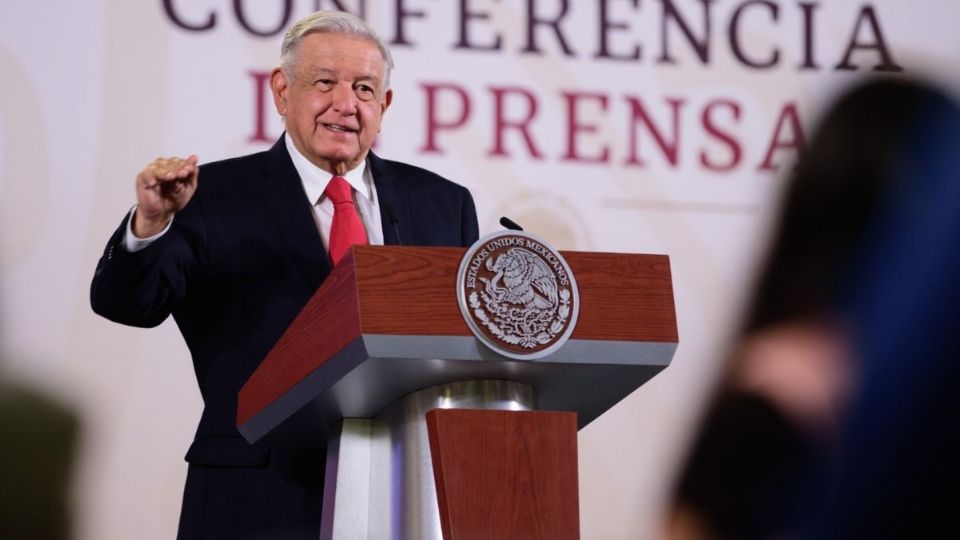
506,474
379,477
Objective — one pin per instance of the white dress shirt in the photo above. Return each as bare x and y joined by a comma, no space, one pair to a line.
365,199
314,181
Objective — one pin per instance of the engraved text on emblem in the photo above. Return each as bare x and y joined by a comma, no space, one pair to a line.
519,292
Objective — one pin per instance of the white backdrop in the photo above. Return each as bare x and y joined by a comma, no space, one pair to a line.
93,90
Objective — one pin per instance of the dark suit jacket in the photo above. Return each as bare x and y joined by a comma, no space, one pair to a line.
238,264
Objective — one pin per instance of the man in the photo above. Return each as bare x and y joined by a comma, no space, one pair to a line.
234,249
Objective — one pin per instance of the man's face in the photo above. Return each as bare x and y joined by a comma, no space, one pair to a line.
333,99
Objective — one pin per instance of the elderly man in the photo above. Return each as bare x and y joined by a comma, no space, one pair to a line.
234,249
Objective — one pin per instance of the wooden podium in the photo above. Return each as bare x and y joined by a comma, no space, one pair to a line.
431,434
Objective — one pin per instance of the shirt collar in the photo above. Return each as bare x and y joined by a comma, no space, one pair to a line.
315,179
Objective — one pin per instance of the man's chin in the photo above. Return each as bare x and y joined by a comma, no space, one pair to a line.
336,160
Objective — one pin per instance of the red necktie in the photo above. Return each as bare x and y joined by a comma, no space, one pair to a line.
347,228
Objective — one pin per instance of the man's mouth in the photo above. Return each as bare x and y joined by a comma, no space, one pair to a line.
340,128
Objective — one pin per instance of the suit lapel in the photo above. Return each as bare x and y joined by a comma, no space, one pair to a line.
293,215
390,193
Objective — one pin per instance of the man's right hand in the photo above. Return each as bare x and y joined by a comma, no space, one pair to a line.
164,186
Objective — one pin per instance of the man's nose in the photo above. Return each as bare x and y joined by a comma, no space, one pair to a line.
344,99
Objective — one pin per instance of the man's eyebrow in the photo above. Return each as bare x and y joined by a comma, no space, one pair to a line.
316,71
368,78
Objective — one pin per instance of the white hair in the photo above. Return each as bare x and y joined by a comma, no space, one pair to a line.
332,22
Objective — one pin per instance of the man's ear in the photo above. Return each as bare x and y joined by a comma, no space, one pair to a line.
279,85
387,100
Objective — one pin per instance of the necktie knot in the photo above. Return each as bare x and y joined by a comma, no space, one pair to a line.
339,191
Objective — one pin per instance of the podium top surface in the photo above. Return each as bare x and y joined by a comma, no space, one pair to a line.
387,322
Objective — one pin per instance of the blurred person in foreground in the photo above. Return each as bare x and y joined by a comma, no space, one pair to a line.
234,249
38,445
899,439
819,401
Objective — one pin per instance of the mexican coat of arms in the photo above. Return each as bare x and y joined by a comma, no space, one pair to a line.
517,295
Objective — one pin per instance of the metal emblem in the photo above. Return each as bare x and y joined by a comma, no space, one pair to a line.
517,295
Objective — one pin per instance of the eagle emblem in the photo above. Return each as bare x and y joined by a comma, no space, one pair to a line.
517,294
526,279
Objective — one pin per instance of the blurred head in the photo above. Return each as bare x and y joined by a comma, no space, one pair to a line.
853,328
833,197
901,308
332,88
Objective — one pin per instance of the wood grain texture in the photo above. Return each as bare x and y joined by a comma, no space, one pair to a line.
624,297
329,321
395,290
505,474
412,291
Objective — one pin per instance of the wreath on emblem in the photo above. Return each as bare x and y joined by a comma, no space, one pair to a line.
521,304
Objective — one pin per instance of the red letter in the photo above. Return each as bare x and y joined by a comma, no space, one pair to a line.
261,89
796,142
573,127
639,114
433,124
501,124
725,137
